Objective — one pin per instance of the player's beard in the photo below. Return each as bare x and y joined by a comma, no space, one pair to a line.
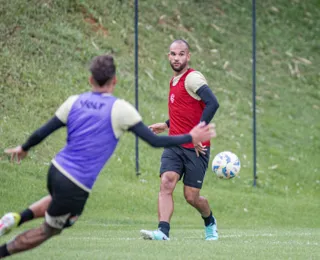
180,68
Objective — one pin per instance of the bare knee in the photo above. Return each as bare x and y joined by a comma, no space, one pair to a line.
191,195
40,207
168,183
190,198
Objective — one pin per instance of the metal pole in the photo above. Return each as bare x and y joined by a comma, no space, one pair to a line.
254,91
136,76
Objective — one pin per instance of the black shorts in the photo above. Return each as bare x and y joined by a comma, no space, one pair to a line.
68,200
185,162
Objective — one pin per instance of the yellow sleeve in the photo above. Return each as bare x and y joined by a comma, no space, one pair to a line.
63,111
123,116
193,82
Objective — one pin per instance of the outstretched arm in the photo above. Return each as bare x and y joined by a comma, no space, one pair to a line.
19,152
199,133
40,134
142,131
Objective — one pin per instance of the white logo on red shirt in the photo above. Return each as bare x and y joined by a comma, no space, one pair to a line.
172,98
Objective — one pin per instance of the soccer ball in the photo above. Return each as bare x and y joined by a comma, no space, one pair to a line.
226,165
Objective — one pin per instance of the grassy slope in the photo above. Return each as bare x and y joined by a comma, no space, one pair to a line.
45,49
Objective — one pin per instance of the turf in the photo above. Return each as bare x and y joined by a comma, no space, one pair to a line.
45,49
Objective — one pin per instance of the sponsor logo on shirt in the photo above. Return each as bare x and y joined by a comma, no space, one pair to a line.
91,105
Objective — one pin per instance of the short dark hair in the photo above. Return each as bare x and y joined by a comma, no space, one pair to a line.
103,69
181,41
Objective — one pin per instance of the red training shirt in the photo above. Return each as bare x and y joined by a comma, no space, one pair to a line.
184,111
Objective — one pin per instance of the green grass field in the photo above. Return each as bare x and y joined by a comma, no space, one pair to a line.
101,241
45,49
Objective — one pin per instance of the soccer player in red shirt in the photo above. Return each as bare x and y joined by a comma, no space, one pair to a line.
190,102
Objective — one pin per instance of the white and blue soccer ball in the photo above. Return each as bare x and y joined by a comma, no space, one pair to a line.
226,165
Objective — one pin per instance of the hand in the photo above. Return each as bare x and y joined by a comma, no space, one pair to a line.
17,154
200,149
158,127
202,133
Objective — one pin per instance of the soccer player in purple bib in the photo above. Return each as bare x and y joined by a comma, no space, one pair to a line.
95,121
